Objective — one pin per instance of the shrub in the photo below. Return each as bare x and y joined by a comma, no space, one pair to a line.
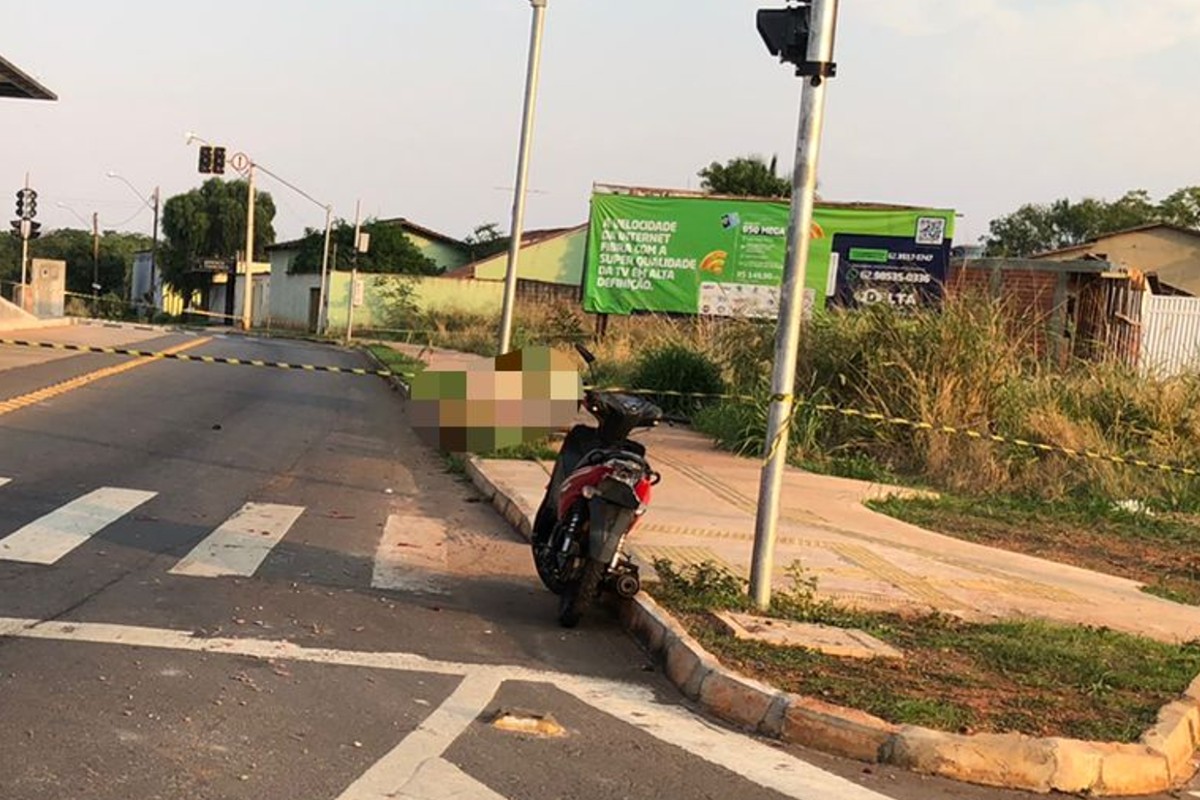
676,367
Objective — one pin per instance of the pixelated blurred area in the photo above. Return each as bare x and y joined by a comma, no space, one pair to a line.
518,398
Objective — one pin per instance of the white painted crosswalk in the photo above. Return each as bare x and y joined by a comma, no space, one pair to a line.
46,540
242,543
410,555
412,552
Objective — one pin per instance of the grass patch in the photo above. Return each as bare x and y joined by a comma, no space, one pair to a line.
1161,551
395,361
540,450
455,464
1030,677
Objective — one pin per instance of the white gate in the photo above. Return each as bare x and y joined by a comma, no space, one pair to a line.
1171,335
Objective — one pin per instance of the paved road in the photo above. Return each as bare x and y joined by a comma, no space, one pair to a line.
237,582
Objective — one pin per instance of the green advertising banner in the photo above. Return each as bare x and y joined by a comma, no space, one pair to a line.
701,255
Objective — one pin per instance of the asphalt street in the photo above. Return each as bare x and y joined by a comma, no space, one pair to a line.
238,582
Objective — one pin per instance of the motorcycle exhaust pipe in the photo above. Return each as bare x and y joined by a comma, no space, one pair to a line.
627,585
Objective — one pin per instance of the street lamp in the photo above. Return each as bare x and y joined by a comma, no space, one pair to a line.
154,236
518,218
95,252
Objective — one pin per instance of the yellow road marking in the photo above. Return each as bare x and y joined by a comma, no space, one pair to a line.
57,389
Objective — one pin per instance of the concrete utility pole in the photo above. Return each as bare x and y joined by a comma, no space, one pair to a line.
818,62
154,253
153,235
353,273
248,289
322,298
95,262
518,217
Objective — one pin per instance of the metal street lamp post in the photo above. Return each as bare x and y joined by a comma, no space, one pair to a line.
248,288
518,217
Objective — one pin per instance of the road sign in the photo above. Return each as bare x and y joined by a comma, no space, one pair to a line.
211,265
240,162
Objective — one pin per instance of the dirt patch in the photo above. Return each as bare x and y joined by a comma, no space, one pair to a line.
1162,552
1028,676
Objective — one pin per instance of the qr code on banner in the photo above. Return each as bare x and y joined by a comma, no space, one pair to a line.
931,230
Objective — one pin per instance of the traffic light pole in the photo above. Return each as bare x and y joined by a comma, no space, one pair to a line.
518,220
25,256
248,289
791,308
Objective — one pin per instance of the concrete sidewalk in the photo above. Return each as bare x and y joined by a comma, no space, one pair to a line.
704,510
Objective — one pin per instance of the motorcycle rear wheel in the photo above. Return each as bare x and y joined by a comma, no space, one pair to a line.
577,598
553,567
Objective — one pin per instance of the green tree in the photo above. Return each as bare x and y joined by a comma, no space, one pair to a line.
389,251
1183,207
745,177
486,240
209,222
1036,228
74,246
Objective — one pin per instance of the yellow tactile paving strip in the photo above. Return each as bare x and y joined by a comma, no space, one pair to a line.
881,568
869,562
731,495
57,389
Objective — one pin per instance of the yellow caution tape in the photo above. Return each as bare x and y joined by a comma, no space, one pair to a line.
247,362
796,404
949,430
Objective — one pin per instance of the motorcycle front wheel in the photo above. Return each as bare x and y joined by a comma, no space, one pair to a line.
577,598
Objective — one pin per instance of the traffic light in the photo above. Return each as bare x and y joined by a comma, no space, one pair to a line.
206,159
19,228
218,161
786,32
26,204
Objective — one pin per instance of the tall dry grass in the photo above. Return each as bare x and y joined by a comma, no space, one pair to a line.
968,365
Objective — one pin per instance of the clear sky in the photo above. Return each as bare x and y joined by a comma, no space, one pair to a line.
414,105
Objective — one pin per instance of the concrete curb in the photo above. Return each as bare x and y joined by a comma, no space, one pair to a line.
1161,761
397,383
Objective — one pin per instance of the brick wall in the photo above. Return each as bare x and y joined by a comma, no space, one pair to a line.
1029,294
546,292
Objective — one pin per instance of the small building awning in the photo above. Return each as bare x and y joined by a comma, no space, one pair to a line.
16,84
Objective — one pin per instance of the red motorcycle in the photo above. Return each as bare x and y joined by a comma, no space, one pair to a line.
598,491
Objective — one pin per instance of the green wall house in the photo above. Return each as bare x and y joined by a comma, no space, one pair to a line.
554,256
445,251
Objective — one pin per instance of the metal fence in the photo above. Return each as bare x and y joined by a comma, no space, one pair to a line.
1171,338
